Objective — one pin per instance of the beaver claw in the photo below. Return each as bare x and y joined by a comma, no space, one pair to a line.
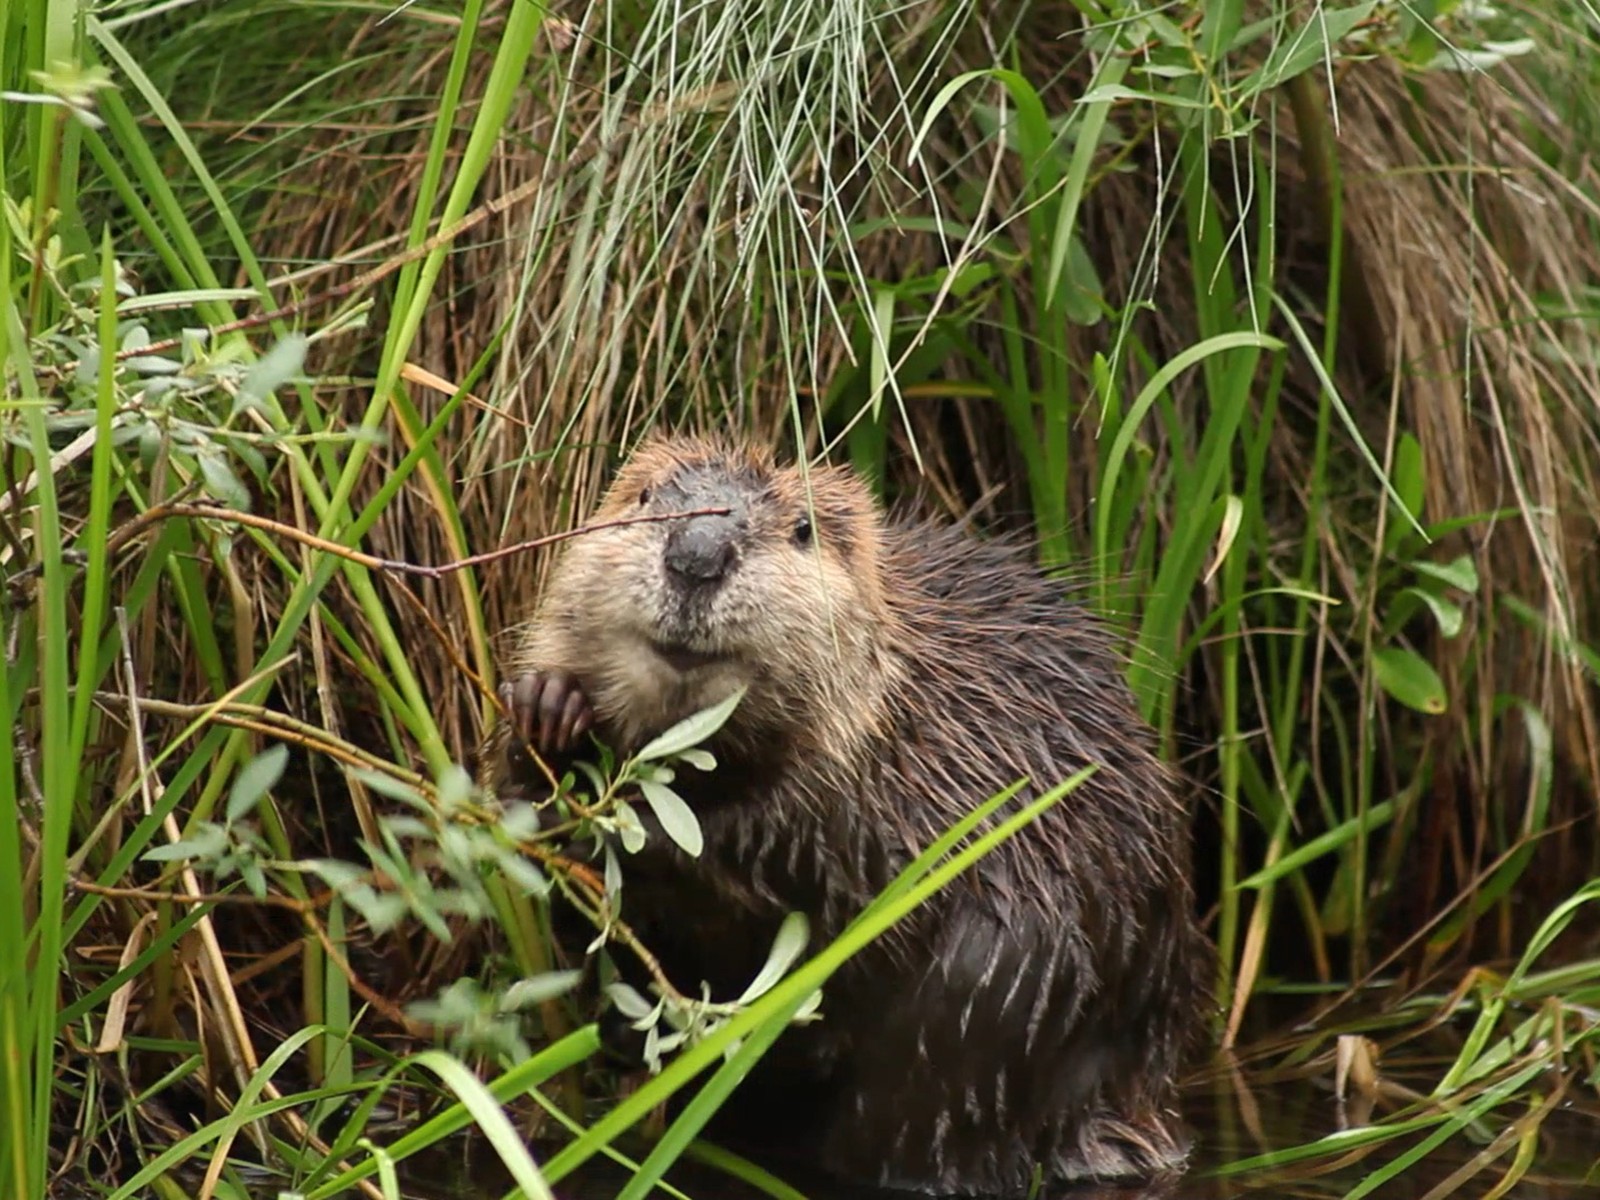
549,712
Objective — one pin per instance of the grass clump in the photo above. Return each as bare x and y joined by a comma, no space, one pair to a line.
1275,322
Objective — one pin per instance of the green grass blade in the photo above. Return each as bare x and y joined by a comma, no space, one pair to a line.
548,1063
94,540
58,769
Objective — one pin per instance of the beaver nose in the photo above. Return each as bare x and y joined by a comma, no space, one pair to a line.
701,552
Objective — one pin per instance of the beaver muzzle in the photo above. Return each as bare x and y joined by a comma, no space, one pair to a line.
699,556
701,553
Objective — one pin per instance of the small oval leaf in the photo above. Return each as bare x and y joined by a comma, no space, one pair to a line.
614,877
677,818
786,947
389,787
692,729
1410,679
272,370
629,1002
221,482
1407,474
1080,289
536,989
1232,519
255,778
1446,613
1462,573
629,829
208,843
524,875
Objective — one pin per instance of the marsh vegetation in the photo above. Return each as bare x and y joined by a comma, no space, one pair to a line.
1274,323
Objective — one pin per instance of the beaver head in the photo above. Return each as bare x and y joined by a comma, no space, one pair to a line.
782,593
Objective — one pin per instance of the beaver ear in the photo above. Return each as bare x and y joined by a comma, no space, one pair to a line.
760,458
846,483
658,442
695,447
841,496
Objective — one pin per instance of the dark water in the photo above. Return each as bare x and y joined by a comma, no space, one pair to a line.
1241,1111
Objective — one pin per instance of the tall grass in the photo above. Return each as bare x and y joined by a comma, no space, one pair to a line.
949,243
158,426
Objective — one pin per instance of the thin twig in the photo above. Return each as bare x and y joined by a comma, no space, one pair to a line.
209,512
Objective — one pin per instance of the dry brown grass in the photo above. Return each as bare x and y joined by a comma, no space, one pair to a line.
1461,262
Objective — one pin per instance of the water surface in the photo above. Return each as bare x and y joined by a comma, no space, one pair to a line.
1242,1111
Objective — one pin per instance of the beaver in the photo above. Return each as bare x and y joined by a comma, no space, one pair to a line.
1032,1016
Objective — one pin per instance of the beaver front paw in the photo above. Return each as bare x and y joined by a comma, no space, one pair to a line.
549,712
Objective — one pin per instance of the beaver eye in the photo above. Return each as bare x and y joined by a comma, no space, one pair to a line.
644,497
802,532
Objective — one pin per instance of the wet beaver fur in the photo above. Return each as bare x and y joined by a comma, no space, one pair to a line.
1032,1015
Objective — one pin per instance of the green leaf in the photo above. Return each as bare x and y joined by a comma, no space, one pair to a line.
1483,59
209,841
338,875
493,1123
221,482
152,364
255,779
937,105
630,1003
1155,24
1122,442
1080,275
786,947
524,875
677,818
406,826
1307,46
383,911
520,822
1377,817
1167,71
1080,290
1107,92
1445,612
271,371
1408,480
882,328
613,871
250,871
455,787
630,831
1406,475
692,729
1462,573
968,279
389,787
536,989
1409,679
